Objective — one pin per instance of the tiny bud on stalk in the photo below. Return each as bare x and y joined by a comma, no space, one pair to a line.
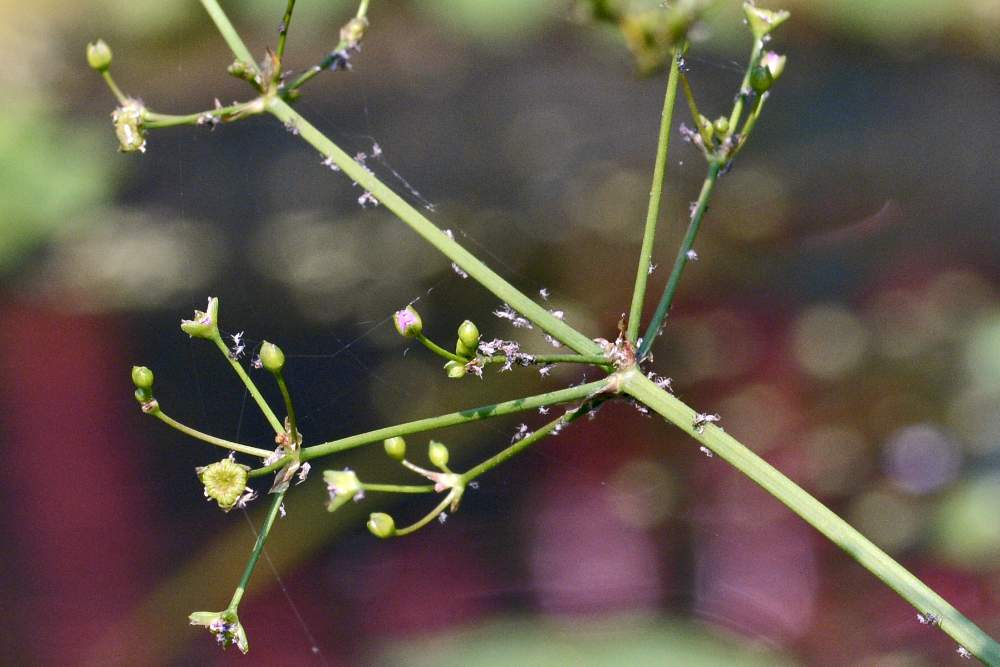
455,370
99,55
395,447
438,454
142,378
381,525
468,335
272,358
408,322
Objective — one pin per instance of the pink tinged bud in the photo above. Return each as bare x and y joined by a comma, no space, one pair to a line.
408,322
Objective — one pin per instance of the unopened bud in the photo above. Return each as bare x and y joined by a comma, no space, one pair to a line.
99,55
395,447
707,129
271,357
353,31
142,378
468,335
438,454
774,63
455,369
721,126
381,525
408,322
761,79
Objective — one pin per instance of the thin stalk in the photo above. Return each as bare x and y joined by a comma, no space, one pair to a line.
451,419
210,439
152,120
258,548
258,398
329,58
398,488
286,20
655,195
681,260
228,32
289,410
734,117
838,531
430,516
440,351
521,445
592,359
425,228
119,95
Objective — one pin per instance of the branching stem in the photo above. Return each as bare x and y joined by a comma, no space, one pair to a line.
655,196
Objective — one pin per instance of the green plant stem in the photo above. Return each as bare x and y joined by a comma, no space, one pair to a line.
286,20
681,260
451,419
115,90
293,428
592,359
734,117
440,351
414,527
258,548
152,120
228,32
521,445
838,531
468,262
258,398
398,488
655,196
210,439
328,59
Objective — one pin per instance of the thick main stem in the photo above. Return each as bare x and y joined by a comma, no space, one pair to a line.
683,256
838,531
655,196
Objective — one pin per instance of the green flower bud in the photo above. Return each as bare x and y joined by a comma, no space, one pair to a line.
225,625
343,485
438,454
468,335
99,55
721,126
774,63
761,79
763,21
455,369
395,447
408,322
128,119
707,128
353,31
381,525
205,323
462,350
225,482
272,357
242,70
142,378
